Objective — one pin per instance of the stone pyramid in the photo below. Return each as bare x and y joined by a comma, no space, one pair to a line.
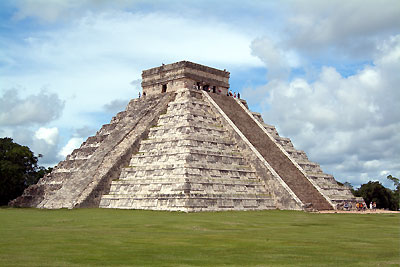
189,163
187,146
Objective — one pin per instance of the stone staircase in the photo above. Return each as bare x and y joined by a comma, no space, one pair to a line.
291,174
86,173
188,163
338,194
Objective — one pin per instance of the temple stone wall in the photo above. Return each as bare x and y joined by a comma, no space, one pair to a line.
184,74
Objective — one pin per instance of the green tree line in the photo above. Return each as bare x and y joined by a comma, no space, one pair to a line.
18,169
374,191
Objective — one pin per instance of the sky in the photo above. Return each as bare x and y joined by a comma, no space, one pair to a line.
325,73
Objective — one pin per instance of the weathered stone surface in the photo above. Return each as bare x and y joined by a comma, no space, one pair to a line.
183,149
86,174
265,145
188,163
184,74
337,194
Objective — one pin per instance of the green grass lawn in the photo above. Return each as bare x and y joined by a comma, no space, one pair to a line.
85,237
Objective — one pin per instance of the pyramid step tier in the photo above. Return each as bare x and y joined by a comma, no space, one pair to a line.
188,202
182,186
195,155
159,169
198,116
187,128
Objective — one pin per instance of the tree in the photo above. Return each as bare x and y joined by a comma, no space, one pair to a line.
347,184
395,180
396,192
18,169
376,192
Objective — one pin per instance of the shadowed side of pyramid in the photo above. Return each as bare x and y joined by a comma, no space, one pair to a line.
316,189
281,163
337,194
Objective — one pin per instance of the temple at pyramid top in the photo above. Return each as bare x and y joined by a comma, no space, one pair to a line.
184,74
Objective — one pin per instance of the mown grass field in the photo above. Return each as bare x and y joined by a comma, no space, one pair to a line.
87,237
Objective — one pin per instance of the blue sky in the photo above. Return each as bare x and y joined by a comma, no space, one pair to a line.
325,73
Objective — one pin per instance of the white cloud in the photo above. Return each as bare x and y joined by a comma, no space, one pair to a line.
44,9
49,135
73,143
341,30
275,59
116,105
52,11
39,108
117,34
349,124
44,141
85,131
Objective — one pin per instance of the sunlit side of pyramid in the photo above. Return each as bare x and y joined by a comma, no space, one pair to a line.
186,146
190,163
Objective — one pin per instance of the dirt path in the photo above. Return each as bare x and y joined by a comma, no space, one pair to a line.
359,212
